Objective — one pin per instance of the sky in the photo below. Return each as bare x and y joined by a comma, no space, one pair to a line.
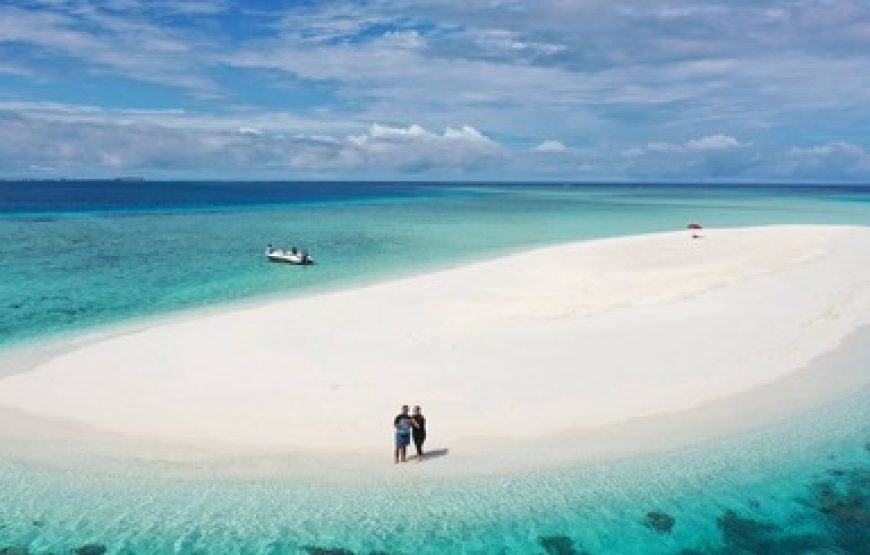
738,90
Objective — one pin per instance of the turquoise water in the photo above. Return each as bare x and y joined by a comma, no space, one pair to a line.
94,255
797,488
74,260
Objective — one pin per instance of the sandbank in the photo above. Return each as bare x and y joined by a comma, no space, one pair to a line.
550,344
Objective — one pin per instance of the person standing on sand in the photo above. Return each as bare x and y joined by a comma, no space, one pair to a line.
402,424
418,431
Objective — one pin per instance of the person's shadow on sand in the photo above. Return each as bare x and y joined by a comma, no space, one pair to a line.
432,454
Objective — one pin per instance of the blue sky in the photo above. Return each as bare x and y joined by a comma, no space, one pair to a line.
436,89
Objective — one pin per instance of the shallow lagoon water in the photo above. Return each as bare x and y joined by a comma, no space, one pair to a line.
78,254
801,487
798,487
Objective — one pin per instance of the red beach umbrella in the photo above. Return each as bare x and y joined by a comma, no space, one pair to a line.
694,229
694,226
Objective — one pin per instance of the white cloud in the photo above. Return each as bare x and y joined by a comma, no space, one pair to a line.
501,41
550,145
76,146
827,160
705,143
240,120
126,43
713,142
385,133
408,40
415,148
40,146
830,149
630,81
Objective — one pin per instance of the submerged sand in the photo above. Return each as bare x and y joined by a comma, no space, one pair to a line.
548,343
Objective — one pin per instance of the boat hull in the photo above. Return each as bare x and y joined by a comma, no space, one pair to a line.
296,259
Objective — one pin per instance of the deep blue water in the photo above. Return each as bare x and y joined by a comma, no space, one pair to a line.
71,196
40,197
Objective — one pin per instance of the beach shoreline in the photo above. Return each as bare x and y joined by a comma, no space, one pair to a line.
92,382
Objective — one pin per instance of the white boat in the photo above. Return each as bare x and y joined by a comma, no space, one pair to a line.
290,256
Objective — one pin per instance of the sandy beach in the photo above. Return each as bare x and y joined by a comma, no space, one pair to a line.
545,344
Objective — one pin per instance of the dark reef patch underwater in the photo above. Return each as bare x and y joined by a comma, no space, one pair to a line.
559,545
842,503
659,521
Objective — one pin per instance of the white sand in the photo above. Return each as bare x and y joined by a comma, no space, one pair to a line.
538,344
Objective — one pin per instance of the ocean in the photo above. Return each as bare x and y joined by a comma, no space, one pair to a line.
81,255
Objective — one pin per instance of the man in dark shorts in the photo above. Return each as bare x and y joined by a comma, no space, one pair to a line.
402,425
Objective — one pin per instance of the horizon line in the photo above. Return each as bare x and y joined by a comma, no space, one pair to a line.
562,182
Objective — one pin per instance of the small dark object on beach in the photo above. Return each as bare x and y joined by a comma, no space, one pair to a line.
91,549
661,522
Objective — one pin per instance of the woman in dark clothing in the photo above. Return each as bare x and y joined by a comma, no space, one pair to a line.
418,431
